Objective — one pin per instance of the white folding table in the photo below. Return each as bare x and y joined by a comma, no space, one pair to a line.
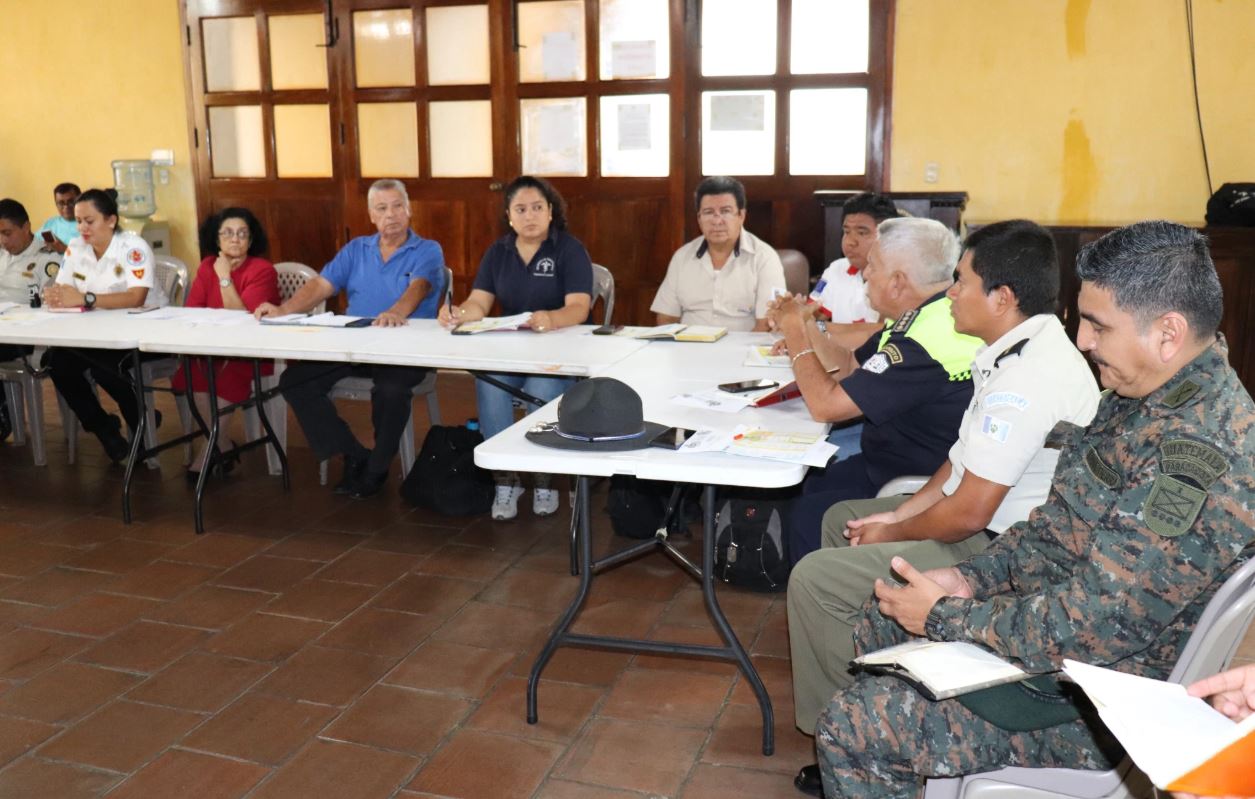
658,373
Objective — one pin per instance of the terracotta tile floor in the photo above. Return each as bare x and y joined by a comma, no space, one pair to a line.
313,646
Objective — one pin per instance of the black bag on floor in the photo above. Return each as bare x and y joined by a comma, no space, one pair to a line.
445,478
636,507
1233,205
750,540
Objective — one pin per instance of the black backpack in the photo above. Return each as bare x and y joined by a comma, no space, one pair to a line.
445,478
750,542
1233,205
637,508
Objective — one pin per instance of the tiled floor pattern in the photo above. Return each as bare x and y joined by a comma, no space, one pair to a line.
312,646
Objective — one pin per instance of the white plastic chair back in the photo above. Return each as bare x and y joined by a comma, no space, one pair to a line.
171,275
292,276
603,289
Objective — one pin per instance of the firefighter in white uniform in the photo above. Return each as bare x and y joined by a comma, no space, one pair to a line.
106,268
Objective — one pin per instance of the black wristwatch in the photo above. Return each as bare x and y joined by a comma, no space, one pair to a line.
89,300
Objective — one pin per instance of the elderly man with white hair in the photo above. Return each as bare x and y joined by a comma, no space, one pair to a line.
910,382
391,276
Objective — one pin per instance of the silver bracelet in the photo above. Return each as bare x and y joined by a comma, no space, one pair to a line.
807,351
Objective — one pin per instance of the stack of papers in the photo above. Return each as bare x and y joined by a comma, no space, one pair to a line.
760,355
809,449
327,319
494,323
675,332
1180,741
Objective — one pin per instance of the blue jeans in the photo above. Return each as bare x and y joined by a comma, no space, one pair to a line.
849,440
496,409
822,489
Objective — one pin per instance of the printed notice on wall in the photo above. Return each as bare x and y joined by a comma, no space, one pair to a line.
637,59
635,126
559,56
554,139
737,112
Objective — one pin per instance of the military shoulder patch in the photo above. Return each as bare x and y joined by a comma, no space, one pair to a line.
904,323
1181,393
1172,506
1100,470
1198,463
892,352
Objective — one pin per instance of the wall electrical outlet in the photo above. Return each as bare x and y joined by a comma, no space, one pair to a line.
932,171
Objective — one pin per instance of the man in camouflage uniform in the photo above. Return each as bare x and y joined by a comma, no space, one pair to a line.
1150,510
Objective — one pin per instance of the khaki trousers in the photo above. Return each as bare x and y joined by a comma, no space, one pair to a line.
827,591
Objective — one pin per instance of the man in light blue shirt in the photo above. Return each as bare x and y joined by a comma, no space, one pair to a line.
391,276
63,227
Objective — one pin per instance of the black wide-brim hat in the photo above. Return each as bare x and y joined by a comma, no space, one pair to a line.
600,414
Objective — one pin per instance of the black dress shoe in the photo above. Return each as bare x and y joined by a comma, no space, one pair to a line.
809,782
354,468
117,448
369,485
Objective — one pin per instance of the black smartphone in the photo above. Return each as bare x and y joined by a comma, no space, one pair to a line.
47,234
607,330
365,321
747,385
671,438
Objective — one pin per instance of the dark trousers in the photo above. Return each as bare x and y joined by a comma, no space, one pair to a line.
111,371
821,490
306,386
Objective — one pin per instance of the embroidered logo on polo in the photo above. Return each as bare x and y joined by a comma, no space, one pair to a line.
995,428
1187,469
135,256
117,270
877,364
892,352
1181,394
1008,398
544,268
52,267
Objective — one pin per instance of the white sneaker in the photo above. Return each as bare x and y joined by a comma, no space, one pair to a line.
506,503
544,501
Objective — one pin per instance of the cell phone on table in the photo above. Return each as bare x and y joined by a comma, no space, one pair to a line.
671,438
607,330
47,234
747,385
365,321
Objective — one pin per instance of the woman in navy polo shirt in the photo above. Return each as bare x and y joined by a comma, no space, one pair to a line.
536,267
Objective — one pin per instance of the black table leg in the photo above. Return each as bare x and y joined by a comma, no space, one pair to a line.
265,424
561,635
211,445
137,436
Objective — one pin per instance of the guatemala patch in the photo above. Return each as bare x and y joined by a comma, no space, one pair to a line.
877,364
995,428
1187,470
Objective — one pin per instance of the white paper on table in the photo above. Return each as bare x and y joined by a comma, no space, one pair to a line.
634,127
24,317
811,449
708,441
713,400
634,59
5,306
737,112
558,56
760,355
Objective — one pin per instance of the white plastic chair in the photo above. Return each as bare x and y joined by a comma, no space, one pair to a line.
907,484
603,289
292,276
23,391
171,274
1209,650
359,388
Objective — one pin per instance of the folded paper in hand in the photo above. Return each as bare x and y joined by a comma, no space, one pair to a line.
1180,741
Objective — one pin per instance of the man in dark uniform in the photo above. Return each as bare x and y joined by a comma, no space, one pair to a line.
1151,508
911,382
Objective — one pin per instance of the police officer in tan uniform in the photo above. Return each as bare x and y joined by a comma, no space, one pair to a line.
1150,510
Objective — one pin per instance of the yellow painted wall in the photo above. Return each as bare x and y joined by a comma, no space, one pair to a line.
86,83
1072,111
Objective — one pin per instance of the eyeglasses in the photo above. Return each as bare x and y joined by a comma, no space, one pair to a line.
241,234
711,213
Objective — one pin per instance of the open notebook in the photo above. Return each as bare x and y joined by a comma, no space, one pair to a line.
942,669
